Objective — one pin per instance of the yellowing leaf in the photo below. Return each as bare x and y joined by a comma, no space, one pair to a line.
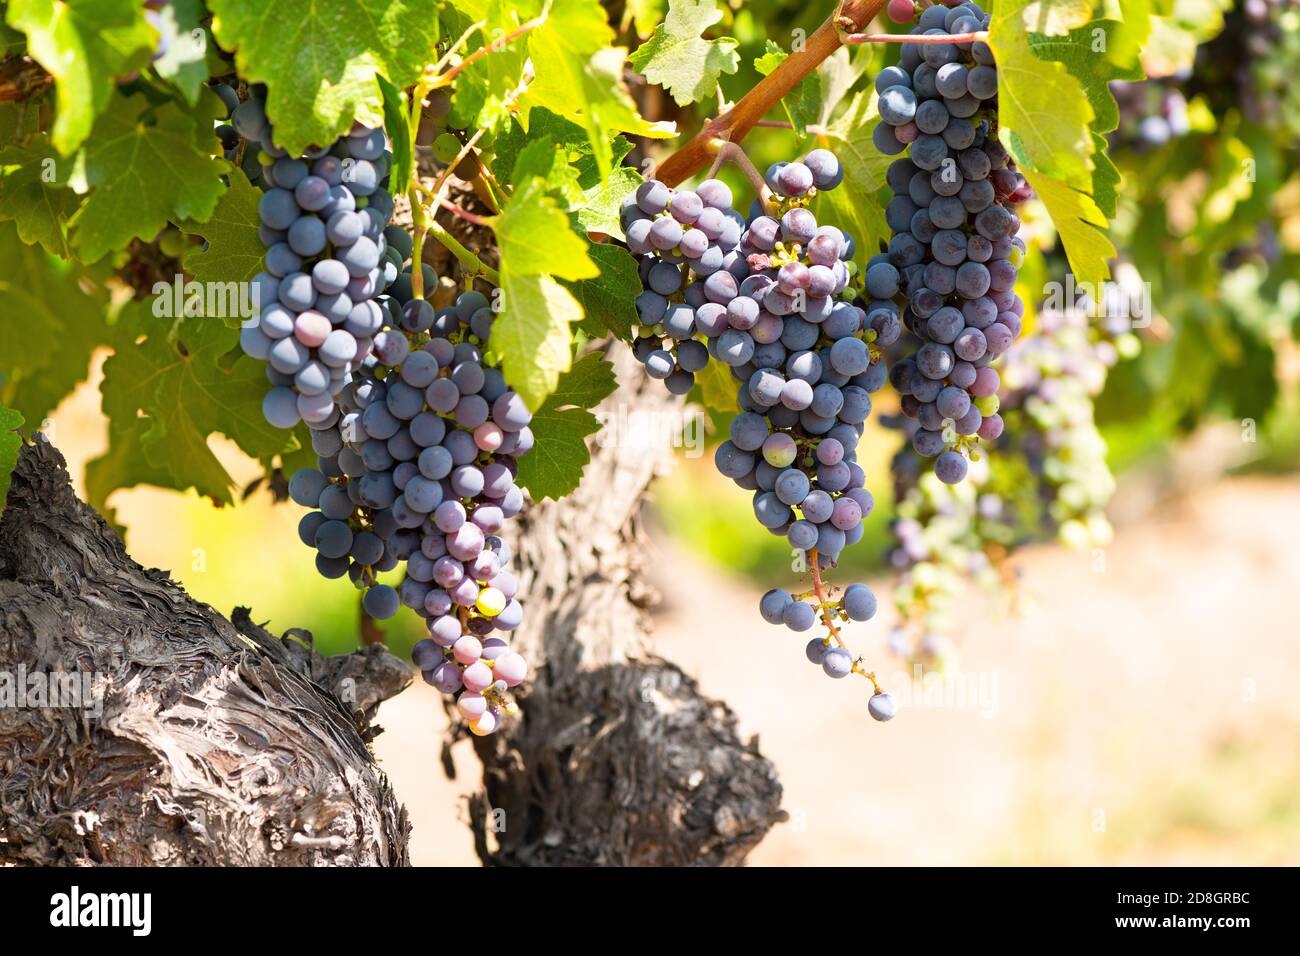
1040,102
1081,226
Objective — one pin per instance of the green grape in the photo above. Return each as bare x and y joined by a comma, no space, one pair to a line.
446,147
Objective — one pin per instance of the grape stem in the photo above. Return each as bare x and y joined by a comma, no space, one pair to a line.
979,36
492,47
730,152
465,214
824,605
732,125
471,263
820,591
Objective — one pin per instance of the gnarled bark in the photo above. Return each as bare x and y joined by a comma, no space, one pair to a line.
618,758
208,742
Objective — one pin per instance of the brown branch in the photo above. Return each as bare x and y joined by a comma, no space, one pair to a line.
22,78
732,125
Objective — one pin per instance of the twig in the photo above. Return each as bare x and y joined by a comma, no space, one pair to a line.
852,15
492,47
979,36
465,214
730,152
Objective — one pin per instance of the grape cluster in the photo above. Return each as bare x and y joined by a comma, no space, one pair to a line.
770,297
1049,478
323,219
954,253
686,244
419,469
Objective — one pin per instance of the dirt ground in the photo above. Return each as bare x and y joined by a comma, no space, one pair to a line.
1140,710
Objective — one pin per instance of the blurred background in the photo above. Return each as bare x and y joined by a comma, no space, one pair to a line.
1094,642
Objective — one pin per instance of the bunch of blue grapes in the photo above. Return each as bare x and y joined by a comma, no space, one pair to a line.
770,298
954,254
686,244
800,612
323,220
419,469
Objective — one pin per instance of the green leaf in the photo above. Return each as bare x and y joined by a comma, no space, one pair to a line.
532,333
561,425
542,160
320,64
1085,52
580,76
804,103
33,196
1040,102
864,175
49,327
717,387
677,58
83,44
534,237
234,252
609,300
602,204
1081,225
398,124
185,62
1056,17
10,444
168,390
145,165
567,135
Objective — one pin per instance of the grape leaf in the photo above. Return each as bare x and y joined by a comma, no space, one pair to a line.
677,58
532,333
864,174
1056,17
234,252
168,390
83,44
540,158
580,77
398,125
319,65
646,14
568,136
42,302
717,387
484,91
561,425
10,444
1083,53
608,300
1081,226
39,205
803,104
145,165
185,62
602,205
1040,102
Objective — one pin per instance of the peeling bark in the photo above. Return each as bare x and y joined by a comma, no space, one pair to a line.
217,743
